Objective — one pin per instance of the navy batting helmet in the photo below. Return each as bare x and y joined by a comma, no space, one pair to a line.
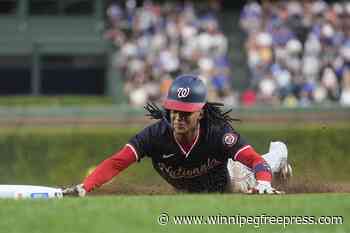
187,93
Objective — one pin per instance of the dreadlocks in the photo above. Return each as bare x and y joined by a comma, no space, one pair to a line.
153,111
213,114
156,113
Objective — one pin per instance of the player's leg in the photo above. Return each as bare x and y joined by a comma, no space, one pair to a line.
278,152
277,158
242,178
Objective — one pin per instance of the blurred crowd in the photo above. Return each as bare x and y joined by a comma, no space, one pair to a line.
159,41
298,52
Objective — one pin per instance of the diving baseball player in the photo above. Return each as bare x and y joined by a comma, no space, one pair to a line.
194,148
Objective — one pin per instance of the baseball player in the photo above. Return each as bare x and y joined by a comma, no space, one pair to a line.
194,148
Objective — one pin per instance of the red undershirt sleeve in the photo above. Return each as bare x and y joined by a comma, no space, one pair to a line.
109,168
249,157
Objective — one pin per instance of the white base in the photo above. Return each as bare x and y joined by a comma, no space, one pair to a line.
29,191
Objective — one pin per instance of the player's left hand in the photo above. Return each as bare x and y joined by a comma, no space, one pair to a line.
74,191
264,187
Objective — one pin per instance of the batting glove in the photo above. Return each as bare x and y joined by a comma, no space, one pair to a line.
264,187
74,191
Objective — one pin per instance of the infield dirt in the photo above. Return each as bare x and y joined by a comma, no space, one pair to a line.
297,186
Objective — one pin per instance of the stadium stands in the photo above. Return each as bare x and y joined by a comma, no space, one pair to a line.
297,52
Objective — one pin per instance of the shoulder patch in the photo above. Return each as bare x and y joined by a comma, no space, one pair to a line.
230,139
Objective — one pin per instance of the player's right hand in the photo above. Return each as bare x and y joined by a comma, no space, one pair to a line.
264,187
74,191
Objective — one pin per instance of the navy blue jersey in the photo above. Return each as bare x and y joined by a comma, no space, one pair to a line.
203,169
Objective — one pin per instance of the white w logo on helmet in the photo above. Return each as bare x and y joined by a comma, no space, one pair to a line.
183,92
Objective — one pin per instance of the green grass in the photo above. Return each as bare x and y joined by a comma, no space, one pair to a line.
139,213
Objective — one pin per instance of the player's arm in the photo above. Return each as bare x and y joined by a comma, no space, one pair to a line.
263,174
139,146
110,167
105,171
249,157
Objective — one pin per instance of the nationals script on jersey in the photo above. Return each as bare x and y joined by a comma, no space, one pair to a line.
200,167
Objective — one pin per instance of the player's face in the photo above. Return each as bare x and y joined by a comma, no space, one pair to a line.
185,122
